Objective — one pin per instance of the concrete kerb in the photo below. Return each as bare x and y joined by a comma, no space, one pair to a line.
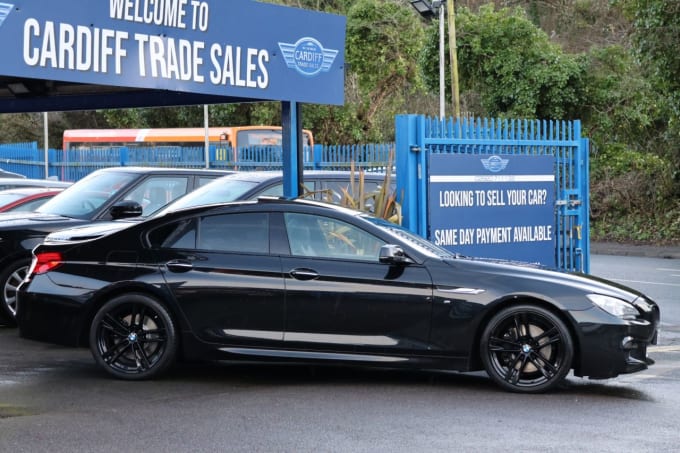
651,251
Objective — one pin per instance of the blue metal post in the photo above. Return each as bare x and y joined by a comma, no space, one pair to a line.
318,156
584,156
124,156
409,149
292,149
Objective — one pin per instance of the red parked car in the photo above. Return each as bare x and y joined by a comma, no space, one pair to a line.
25,198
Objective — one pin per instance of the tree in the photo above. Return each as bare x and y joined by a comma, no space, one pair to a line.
656,36
510,65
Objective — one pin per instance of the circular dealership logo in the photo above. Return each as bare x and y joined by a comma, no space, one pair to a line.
495,164
307,56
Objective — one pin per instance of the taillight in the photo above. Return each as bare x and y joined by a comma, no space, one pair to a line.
45,262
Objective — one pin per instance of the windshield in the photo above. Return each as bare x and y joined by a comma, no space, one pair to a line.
221,190
422,244
86,196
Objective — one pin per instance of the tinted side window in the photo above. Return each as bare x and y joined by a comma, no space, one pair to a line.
243,232
336,189
176,235
203,180
277,190
157,191
310,235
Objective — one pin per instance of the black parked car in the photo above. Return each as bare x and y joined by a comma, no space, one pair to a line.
307,281
322,185
103,195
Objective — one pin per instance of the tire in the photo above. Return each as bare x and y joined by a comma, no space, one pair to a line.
133,337
10,279
526,349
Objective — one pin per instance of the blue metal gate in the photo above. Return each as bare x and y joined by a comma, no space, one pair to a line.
418,136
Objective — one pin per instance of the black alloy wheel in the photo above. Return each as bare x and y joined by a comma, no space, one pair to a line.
526,349
133,337
10,279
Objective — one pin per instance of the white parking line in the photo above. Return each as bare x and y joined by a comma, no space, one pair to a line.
672,348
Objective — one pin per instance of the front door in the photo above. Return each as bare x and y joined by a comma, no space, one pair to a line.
340,298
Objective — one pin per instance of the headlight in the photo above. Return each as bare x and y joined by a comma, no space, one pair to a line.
614,306
643,305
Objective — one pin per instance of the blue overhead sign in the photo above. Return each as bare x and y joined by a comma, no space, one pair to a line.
494,206
234,48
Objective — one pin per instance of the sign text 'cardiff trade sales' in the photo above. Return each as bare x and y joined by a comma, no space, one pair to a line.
81,48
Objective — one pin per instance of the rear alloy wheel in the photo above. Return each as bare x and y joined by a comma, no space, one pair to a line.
10,279
133,337
526,349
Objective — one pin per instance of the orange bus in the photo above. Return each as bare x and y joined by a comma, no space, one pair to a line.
236,137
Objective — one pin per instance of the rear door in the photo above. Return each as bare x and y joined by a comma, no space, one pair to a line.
223,277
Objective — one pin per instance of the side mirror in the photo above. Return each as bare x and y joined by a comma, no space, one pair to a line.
393,254
125,210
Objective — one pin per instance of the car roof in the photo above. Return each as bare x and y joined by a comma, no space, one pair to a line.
168,170
270,175
281,201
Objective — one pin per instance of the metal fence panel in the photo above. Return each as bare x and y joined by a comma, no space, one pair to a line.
418,136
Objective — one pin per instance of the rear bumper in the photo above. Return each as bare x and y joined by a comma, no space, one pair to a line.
49,318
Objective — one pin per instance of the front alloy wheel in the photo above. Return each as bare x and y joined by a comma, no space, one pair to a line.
133,337
526,349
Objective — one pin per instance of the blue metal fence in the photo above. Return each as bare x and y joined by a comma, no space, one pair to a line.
72,165
418,136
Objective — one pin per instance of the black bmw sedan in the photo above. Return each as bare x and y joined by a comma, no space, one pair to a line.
304,281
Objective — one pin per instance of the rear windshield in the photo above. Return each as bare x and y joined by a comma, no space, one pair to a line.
219,191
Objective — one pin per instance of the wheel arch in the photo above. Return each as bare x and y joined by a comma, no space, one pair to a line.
121,289
515,300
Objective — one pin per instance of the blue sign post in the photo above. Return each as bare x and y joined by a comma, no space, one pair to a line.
495,206
239,49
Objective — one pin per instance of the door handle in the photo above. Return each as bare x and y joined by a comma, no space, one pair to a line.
179,266
304,274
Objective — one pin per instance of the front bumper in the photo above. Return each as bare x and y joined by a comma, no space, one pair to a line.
609,346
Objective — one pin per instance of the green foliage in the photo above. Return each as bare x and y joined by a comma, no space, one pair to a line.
512,66
620,105
383,202
656,34
632,195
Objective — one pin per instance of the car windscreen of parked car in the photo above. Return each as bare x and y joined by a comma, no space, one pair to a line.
88,196
320,184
